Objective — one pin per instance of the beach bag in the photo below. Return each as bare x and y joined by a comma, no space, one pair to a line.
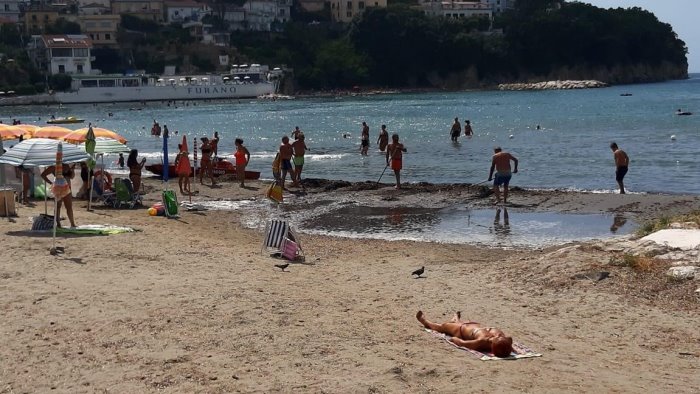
42,222
290,249
274,192
170,203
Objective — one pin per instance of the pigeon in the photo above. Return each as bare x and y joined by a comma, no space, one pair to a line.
282,266
418,272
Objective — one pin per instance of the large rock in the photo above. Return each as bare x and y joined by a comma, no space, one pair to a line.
682,272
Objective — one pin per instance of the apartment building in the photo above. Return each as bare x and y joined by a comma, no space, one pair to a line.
151,10
10,10
458,9
62,54
346,10
182,11
102,29
259,15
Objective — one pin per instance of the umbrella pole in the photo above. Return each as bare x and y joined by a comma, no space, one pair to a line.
55,223
46,200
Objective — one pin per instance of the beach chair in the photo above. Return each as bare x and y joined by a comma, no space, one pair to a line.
125,195
107,197
281,239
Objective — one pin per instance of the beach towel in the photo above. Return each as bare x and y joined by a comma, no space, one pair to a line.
519,350
94,229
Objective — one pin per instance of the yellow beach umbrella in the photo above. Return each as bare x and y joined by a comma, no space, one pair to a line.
80,135
10,132
52,132
29,129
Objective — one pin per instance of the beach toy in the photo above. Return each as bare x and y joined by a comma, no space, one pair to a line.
152,212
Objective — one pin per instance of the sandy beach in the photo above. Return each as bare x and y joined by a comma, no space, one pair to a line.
192,305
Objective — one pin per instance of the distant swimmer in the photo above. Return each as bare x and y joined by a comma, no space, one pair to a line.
455,130
680,112
621,165
383,139
501,163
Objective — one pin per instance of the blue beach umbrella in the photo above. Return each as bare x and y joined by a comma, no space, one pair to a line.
165,157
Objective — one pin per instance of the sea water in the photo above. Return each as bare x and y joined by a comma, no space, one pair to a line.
570,149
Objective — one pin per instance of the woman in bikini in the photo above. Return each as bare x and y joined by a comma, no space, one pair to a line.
472,335
68,174
135,168
206,165
242,158
183,169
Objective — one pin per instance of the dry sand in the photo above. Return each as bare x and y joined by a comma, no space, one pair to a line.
192,305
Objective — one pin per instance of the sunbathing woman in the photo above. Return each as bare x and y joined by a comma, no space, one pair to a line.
472,335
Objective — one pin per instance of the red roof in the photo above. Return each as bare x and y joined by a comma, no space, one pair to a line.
67,41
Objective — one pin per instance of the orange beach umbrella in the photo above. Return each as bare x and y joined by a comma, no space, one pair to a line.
29,129
80,135
52,132
10,132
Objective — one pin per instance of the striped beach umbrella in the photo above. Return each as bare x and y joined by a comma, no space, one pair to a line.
107,145
80,135
39,152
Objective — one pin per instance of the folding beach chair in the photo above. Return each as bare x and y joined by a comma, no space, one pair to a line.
124,193
281,238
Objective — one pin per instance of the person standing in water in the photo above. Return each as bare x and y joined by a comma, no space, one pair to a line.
394,157
299,147
383,139
455,130
501,163
242,156
364,137
286,152
468,132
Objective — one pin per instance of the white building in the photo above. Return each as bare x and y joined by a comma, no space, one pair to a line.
346,10
458,9
9,10
259,15
500,6
182,11
63,54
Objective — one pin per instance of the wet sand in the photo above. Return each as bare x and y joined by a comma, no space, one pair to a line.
192,305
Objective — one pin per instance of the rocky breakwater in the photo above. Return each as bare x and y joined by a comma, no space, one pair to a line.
553,85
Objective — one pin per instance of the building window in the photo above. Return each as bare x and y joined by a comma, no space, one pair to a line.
80,68
361,5
349,14
61,69
80,52
61,52
108,36
282,12
7,7
34,17
376,4
92,36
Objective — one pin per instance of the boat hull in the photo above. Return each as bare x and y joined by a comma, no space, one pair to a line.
164,93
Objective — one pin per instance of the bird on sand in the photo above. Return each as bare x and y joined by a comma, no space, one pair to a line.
418,272
282,266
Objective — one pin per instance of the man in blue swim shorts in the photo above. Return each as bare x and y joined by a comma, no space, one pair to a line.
501,163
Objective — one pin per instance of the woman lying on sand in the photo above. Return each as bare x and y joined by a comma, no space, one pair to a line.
472,335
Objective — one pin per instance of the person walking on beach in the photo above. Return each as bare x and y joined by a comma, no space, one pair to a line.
286,152
394,156
383,139
242,156
364,137
622,162
455,130
299,147
501,163
215,144
468,132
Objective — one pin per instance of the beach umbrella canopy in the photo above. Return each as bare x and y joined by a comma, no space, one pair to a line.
41,152
107,145
10,132
29,129
80,135
52,132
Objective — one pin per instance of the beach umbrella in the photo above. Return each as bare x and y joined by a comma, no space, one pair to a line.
60,189
107,145
80,135
38,152
8,132
165,157
90,149
52,132
29,129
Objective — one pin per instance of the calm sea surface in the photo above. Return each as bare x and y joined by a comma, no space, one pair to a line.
570,151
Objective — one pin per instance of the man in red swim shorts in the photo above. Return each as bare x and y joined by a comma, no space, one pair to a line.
394,152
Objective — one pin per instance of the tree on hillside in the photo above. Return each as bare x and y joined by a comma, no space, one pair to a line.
62,26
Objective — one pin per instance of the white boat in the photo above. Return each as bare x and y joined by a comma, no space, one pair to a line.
243,82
